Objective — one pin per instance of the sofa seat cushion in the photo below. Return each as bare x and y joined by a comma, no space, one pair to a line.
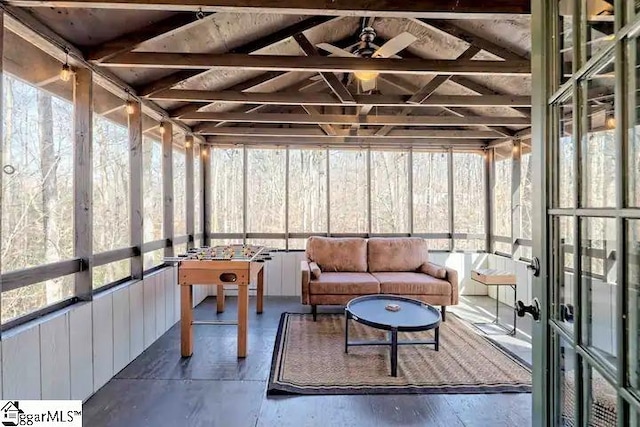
331,283
396,254
338,254
405,283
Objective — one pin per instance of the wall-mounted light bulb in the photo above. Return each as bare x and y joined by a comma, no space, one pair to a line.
610,122
65,73
162,129
130,107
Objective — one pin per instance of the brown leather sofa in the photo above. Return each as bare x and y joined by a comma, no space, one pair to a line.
337,270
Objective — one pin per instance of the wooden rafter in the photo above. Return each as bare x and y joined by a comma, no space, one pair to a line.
255,45
129,41
200,61
297,98
383,8
330,79
345,141
345,119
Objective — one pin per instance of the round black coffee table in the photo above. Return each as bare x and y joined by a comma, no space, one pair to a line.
412,316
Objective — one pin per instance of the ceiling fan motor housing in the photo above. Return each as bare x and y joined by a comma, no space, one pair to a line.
365,49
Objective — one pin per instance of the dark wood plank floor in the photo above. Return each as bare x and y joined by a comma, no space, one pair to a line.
214,388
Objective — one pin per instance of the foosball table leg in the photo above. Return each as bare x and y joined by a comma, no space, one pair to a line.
220,299
186,319
260,292
243,319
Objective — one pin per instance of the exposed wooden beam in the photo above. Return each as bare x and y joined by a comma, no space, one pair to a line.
484,90
345,119
129,41
306,132
330,79
344,141
383,8
169,60
451,29
327,128
297,98
276,37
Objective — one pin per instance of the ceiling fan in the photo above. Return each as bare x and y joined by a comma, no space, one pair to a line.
367,49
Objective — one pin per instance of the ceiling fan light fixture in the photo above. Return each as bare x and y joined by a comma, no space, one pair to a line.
366,75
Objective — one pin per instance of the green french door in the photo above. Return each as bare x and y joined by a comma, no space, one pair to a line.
586,153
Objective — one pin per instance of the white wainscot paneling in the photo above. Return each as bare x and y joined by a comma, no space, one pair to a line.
136,319
121,329
169,298
149,296
102,340
273,274
55,360
21,364
289,275
81,351
161,305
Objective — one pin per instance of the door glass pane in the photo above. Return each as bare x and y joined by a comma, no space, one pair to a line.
565,397
566,150
600,400
564,276
565,38
599,286
633,279
598,18
598,156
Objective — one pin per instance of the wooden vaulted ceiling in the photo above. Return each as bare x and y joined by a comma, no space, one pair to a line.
253,74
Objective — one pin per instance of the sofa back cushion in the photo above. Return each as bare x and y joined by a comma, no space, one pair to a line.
396,254
338,254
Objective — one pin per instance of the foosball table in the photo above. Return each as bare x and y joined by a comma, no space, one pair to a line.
237,265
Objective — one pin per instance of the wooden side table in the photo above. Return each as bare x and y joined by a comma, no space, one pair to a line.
497,278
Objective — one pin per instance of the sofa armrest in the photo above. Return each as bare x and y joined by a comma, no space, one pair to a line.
306,277
452,277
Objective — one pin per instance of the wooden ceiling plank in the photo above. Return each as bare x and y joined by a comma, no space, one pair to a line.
382,8
130,41
297,98
345,119
199,61
330,79
451,29
250,47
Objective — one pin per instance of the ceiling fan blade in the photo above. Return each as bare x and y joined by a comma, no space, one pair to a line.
368,85
395,45
335,50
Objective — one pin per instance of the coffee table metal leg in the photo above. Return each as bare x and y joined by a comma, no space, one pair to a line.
346,331
437,332
394,352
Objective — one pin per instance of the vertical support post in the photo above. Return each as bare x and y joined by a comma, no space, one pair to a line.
245,159
489,185
516,207
369,191
136,216
410,188
167,186
190,196
205,192
450,191
286,201
328,164
83,180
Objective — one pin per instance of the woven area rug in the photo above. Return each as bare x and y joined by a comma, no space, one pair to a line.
309,358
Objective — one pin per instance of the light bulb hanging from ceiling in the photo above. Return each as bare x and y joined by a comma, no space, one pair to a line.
65,72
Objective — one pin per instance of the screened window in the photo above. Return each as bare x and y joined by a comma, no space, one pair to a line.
266,190
526,206
502,197
468,201
348,191
179,192
197,186
152,197
389,192
37,193
307,191
226,190
431,196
